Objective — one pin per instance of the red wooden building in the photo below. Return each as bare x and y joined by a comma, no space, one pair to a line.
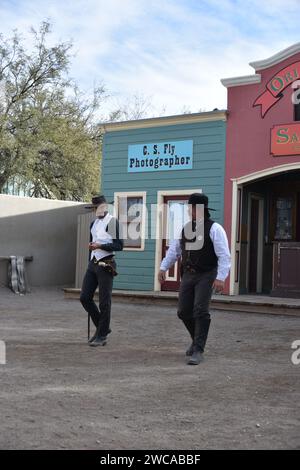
262,177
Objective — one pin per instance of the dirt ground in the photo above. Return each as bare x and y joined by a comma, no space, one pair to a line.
137,392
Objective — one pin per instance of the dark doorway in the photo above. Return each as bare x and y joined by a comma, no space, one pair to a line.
254,217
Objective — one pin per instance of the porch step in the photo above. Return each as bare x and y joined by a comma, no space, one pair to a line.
236,303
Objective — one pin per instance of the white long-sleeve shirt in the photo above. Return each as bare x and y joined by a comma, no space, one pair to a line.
101,235
218,237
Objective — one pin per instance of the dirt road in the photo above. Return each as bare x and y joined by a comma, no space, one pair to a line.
137,392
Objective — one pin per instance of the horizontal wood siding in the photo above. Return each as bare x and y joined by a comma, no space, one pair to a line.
136,269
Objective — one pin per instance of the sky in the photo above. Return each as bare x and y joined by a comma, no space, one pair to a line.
172,53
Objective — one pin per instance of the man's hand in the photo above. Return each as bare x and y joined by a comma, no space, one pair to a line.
161,276
218,286
94,246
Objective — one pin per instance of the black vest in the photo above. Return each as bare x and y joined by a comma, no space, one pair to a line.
201,260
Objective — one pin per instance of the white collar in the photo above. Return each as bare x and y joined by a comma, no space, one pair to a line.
108,216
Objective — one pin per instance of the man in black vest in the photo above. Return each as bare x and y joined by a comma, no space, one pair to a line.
104,241
205,264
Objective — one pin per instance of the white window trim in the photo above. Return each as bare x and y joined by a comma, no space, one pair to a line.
159,226
142,194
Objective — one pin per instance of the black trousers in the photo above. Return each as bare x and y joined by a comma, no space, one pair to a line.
97,276
193,305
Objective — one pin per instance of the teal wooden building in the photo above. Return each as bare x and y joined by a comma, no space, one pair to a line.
159,162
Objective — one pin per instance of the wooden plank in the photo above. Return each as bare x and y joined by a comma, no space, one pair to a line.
82,252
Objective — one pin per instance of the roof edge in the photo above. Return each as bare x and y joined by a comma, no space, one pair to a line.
239,81
218,115
276,58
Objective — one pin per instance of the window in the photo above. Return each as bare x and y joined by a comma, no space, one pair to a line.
131,212
297,112
283,218
177,211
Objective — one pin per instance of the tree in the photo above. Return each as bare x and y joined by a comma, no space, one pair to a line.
48,134
135,107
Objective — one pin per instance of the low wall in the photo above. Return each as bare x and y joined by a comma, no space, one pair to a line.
42,228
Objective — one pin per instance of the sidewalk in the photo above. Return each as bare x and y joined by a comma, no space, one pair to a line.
239,303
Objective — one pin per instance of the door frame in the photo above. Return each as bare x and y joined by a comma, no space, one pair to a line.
237,183
260,240
159,226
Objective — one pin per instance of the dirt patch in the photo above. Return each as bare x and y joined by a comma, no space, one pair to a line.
137,392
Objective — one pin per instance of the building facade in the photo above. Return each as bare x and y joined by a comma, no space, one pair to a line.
160,162
246,159
262,177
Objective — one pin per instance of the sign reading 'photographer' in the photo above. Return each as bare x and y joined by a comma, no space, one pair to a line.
160,156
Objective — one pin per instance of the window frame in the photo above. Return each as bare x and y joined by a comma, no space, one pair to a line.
296,112
129,194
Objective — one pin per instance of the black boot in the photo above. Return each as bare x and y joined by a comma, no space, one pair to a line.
99,340
201,333
92,339
189,323
195,358
190,350
95,320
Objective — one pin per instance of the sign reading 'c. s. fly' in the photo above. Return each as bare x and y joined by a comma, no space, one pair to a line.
160,156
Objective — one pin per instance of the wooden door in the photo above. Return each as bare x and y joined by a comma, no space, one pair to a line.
175,215
253,250
286,269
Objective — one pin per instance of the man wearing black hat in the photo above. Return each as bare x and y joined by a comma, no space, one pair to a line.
205,263
104,241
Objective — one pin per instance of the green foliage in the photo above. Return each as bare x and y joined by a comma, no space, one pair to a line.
48,134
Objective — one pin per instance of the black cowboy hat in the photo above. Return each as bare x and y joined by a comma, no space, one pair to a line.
96,201
199,198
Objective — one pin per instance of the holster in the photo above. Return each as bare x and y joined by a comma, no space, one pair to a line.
109,265
187,268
